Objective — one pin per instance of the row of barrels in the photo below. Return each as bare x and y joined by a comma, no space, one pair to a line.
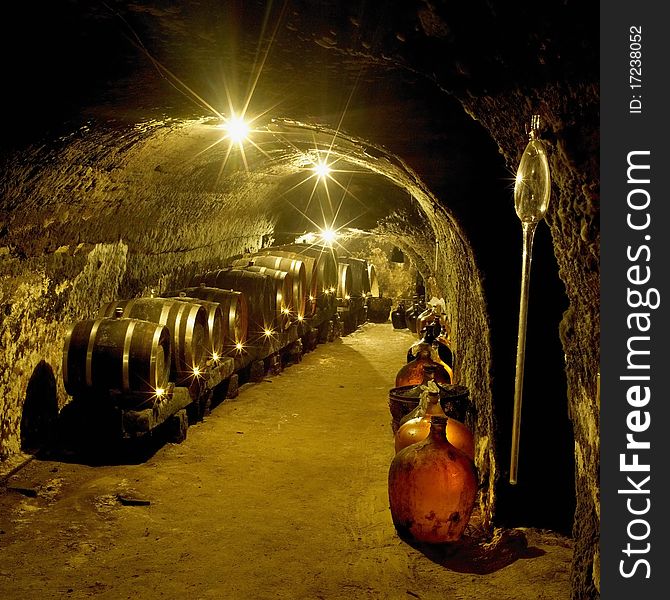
137,346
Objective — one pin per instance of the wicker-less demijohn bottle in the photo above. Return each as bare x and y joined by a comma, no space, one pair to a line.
416,429
432,488
423,352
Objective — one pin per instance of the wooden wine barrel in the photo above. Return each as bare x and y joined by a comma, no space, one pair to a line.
374,283
214,334
259,290
327,271
234,309
360,283
125,355
344,283
283,285
314,269
186,321
295,302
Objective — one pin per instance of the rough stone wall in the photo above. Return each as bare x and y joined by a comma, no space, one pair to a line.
570,117
90,220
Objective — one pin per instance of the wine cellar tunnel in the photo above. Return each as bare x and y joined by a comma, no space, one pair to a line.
120,180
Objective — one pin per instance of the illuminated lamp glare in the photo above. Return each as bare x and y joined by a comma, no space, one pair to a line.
322,170
328,236
159,392
215,356
237,129
268,332
239,346
196,371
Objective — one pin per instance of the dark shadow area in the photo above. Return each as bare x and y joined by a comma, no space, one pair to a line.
89,433
40,409
477,554
544,496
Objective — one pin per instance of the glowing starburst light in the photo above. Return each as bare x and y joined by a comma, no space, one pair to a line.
239,346
160,392
322,170
215,356
328,236
196,371
237,129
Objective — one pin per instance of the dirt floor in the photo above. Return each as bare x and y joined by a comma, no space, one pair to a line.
278,493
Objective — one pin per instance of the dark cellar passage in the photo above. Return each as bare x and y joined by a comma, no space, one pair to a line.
399,128
278,493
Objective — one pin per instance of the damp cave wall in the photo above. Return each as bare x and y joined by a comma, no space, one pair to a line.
87,220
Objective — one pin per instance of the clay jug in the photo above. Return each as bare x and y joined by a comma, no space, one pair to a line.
432,488
398,317
444,345
427,317
412,373
453,399
420,408
428,336
416,429
412,313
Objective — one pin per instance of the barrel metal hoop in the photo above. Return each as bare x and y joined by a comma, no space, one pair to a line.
89,352
232,317
155,349
179,345
165,313
190,327
125,377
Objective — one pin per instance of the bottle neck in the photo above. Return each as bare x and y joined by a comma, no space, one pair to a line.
438,428
433,407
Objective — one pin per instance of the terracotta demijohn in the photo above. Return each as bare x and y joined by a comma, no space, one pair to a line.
432,488
422,353
416,429
420,409
398,317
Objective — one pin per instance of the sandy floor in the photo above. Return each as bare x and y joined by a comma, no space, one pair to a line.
279,493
